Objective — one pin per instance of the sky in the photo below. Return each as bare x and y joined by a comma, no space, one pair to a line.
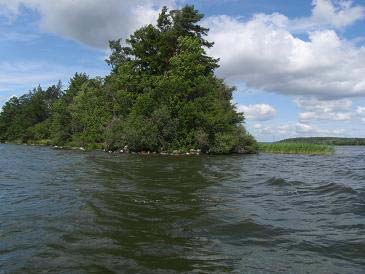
298,66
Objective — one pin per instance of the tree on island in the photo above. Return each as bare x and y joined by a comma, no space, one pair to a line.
161,95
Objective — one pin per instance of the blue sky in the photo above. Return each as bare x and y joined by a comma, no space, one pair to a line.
298,65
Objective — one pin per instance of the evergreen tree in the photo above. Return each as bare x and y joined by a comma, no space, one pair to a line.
62,126
161,95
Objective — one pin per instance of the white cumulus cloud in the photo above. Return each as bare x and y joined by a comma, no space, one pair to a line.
315,109
303,129
326,13
360,111
258,112
265,55
92,22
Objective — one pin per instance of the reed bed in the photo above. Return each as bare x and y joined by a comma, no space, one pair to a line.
296,148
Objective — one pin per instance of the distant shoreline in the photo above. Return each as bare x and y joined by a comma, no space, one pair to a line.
332,141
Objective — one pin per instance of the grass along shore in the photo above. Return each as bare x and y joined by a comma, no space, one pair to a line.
296,148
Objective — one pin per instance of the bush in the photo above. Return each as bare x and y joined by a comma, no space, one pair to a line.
40,131
224,143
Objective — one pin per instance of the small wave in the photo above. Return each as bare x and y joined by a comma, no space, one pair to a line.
334,188
251,229
281,182
277,181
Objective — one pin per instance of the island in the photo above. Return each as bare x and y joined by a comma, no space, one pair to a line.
161,96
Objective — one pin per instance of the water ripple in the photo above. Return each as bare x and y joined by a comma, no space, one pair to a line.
76,212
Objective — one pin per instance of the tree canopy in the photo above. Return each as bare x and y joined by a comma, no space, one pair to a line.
161,95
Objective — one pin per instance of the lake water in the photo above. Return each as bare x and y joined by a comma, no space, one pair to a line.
91,212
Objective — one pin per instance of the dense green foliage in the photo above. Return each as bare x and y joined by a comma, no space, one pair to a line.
336,141
28,117
161,95
295,148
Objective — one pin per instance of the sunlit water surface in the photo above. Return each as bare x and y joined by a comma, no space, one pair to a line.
91,212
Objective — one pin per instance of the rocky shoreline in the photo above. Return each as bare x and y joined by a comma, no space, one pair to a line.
126,150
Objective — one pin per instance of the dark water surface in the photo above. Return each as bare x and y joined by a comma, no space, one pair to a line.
90,212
